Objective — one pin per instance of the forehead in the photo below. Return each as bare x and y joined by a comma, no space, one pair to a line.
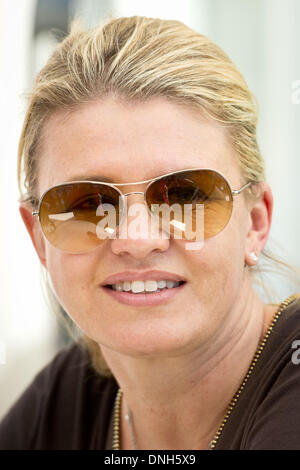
121,141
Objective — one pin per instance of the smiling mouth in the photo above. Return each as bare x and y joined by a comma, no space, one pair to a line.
177,284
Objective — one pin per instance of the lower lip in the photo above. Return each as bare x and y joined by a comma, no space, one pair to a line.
144,300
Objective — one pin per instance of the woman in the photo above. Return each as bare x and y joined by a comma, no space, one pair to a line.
134,108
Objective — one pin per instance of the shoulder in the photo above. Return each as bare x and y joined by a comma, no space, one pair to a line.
275,424
54,410
275,421
283,337
267,411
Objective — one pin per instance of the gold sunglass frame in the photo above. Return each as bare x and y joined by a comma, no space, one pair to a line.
234,192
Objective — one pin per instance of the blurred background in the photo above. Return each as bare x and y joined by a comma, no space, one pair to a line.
261,37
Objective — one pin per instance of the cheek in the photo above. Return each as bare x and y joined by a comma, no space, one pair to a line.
218,267
71,277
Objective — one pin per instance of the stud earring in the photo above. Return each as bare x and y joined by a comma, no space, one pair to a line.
253,257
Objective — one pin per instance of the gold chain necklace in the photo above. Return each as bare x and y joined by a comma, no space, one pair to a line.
212,444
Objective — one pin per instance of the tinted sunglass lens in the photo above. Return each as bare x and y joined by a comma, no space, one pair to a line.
75,217
205,191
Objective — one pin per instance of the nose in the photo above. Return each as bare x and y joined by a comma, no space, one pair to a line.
137,234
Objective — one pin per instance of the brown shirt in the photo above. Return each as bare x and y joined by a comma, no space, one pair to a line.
69,406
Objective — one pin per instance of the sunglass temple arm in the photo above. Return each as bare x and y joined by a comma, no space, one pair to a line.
236,192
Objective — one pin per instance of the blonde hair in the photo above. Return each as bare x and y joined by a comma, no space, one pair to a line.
138,58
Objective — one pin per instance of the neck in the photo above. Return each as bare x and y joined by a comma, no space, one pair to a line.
178,402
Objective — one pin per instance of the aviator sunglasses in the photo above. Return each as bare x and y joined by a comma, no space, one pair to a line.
70,212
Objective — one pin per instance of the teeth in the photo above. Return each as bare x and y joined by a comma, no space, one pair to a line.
162,284
137,286
126,285
142,286
171,284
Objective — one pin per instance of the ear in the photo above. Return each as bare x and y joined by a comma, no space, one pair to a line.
33,227
260,218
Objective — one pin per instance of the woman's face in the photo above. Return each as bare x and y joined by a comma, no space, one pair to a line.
129,142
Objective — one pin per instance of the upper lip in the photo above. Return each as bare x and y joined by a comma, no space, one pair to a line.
142,275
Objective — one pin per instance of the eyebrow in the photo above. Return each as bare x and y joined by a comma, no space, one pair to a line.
106,179
100,178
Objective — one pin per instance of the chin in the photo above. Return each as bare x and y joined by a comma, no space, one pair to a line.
149,342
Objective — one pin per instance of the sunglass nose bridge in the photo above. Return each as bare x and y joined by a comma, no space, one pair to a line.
134,192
